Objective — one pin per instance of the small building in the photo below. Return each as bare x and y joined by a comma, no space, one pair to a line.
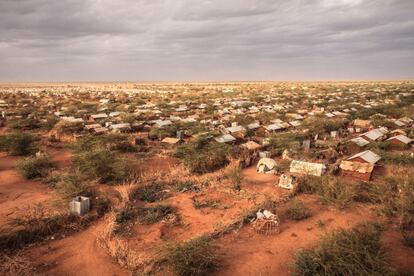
286,181
251,146
98,117
100,130
236,131
400,141
253,126
362,124
226,138
274,127
121,127
356,144
359,170
307,168
172,140
365,157
91,127
162,123
266,165
374,135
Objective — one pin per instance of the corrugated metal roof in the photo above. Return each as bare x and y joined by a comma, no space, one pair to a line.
235,129
360,141
402,138
367,156
226,138
374,134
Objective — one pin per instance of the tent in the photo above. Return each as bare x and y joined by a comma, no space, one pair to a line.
266,165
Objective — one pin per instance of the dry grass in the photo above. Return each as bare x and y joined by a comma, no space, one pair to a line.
119,249
180,174
127,189
34,223
16,265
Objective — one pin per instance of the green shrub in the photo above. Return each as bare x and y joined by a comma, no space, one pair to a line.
357,251
193,258
331,190
319,126
286,140
151,193
296,210
308,185
124,147
144,215
383,194
126,214
36,166
197,204
184,186
111,141
397,158
103,165
18,143
337,191
203,156
406,204
73,184
25,124
154,214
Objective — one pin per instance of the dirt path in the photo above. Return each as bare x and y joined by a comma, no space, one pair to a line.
76,255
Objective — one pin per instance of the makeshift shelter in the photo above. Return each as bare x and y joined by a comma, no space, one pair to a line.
172,140
363,124
286,181
266,165
356,144
374,135
400,141
365,157
358,170
226,138
266,223
307,168
251,146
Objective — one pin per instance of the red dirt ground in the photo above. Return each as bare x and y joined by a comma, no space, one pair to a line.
17,192
249,253
76,255
244,252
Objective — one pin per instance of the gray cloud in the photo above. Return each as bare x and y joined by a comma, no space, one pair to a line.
205,40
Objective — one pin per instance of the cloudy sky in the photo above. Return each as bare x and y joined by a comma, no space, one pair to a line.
68,40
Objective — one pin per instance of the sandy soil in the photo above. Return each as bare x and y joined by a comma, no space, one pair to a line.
15,191
61,157
249,253
76,255
244,252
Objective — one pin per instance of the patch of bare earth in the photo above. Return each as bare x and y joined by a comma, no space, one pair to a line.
78,254
249,253
17,192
